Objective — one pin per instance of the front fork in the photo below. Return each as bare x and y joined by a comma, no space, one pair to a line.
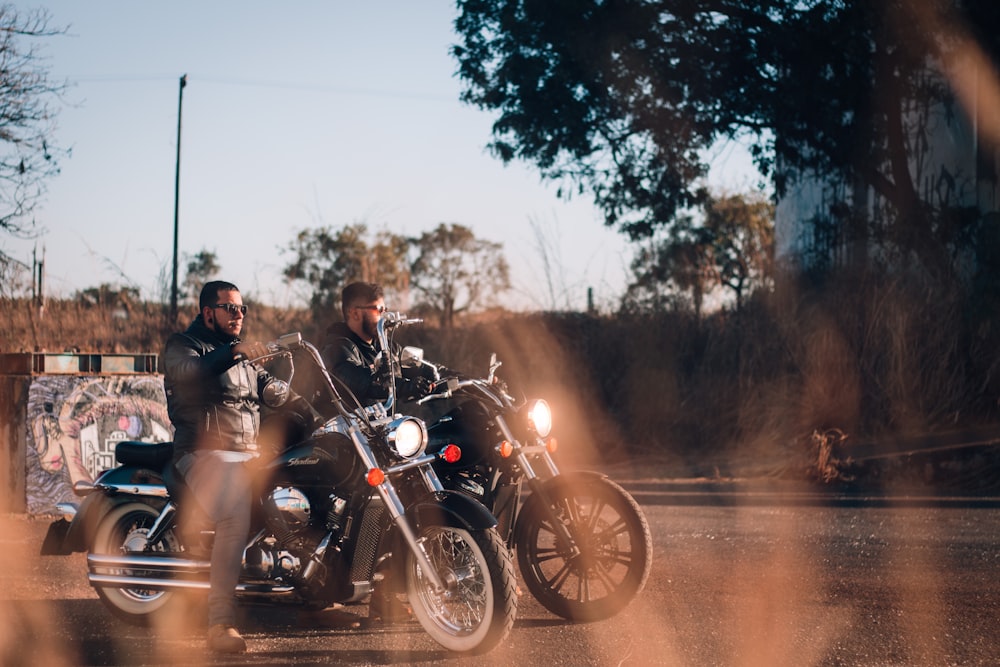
396,509
521,452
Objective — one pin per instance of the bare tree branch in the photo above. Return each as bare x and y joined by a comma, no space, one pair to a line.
28,101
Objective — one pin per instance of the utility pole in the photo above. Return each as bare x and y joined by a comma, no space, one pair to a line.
38,275
177,196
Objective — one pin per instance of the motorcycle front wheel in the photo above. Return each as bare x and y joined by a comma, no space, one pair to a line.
477,610
609,561
123,530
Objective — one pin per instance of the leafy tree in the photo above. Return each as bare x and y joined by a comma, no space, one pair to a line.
741,232
202,267
620,98
455,272
28,156
582,92
665,268
326,260
106,295
730,245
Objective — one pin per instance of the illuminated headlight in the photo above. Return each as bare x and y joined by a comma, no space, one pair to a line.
407,436
540,417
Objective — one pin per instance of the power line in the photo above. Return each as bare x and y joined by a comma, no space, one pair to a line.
280,85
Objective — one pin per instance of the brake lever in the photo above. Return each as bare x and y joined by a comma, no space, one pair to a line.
395,319
451,385
275,354
436,396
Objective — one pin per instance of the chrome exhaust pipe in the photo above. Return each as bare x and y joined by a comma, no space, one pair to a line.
125,581
163,564
242,590
146,571
164,573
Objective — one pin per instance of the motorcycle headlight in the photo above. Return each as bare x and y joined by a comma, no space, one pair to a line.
275,393
540,417
407,436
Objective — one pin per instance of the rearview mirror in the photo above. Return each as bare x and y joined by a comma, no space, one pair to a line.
411,357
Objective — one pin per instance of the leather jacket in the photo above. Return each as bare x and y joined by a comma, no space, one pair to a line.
355,362
213,401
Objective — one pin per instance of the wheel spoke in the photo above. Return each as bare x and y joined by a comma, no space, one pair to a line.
595,514
545,555
583,590
557,580
609,584
609,533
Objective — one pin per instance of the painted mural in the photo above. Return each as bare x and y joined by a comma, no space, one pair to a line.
74,424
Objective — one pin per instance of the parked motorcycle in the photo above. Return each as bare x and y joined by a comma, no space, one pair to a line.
353,507
583,544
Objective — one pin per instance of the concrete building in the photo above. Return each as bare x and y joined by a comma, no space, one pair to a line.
826,220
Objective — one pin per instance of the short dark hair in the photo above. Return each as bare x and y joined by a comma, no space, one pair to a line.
359,294
210,293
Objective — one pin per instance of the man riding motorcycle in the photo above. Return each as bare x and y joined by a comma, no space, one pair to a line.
582,542
351,350
213,399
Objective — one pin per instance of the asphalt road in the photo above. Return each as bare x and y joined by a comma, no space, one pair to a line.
739,578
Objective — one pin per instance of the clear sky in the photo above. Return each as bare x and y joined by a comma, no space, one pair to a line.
307,113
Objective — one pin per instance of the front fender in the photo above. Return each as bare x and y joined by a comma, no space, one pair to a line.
452,508
543,490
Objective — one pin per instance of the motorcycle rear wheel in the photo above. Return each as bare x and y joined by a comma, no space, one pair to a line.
614,543
478,611
123,530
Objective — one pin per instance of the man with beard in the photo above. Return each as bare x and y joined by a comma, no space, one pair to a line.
213,399
352,352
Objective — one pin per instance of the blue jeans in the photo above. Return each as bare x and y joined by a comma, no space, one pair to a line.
221,483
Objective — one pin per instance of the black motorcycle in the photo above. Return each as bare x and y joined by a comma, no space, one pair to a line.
583,544
353,507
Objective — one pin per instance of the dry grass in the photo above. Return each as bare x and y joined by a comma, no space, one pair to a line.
72,326
866,357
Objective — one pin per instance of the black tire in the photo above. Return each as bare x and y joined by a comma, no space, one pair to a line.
615,548
478,611
122,530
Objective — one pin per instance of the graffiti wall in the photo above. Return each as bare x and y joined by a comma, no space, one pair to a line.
74,424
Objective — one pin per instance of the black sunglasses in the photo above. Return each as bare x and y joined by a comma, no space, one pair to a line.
379,309
232,308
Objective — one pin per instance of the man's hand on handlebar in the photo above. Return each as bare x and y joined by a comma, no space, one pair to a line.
410,389
249,350
421,386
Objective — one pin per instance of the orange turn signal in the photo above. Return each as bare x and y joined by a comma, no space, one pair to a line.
375,477
552,445
451,453
505,449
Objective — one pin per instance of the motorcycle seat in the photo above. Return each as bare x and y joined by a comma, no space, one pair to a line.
153,455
